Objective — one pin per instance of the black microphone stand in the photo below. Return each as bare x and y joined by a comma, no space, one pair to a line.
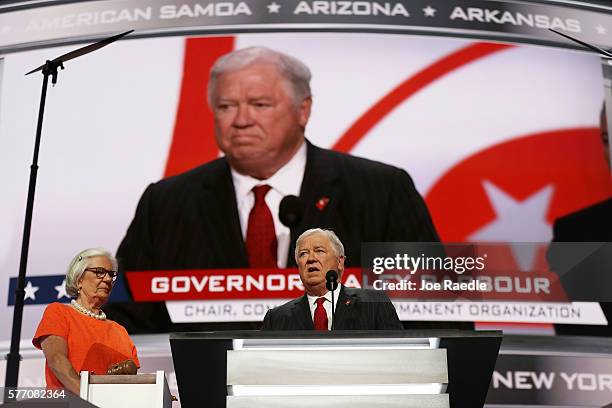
333,309
49,68
331,278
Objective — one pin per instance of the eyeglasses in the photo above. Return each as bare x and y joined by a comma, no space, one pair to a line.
101,273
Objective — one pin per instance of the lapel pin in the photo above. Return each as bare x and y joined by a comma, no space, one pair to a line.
321,203
347,302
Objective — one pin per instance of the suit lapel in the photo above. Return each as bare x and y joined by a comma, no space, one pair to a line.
319,193
344,310
218,199
300,315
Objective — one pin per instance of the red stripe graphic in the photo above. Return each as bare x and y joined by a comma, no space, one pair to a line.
410,87
193,141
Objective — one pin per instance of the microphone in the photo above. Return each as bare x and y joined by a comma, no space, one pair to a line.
291,211
331,278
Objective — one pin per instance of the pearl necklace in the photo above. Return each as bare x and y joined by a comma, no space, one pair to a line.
101,316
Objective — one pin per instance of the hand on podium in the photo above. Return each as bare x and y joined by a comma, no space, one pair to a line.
123,368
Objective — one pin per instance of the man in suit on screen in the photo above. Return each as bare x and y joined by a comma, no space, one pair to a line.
318,251
593,223
225,213
590,224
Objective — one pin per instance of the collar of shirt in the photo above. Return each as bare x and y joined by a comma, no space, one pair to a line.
286,181
327,304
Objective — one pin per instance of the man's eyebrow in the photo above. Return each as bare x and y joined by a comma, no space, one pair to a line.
223,99
260,98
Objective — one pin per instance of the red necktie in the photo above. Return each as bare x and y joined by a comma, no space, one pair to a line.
320,315
261,237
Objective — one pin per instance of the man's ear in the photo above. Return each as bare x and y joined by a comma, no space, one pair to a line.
304,112
341,265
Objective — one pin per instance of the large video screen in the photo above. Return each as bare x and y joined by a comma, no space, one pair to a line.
499,139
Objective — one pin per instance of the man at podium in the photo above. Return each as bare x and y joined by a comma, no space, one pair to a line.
318,251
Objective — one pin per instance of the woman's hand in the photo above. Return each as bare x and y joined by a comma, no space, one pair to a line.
124,367
56,354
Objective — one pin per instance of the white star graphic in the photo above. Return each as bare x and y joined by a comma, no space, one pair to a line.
273,8
30,291
517,221
429,11
601,29
61,290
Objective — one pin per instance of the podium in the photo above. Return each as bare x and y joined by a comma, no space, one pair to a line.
133,391
433,369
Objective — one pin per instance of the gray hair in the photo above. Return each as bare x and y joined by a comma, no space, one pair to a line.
331,235
78,265
293,70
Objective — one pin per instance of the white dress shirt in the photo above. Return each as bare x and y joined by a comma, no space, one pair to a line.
312,302
286,181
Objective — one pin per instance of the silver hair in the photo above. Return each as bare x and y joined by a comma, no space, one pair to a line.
78,265
293,70
331,235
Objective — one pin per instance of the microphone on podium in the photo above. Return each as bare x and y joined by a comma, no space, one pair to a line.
331,283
